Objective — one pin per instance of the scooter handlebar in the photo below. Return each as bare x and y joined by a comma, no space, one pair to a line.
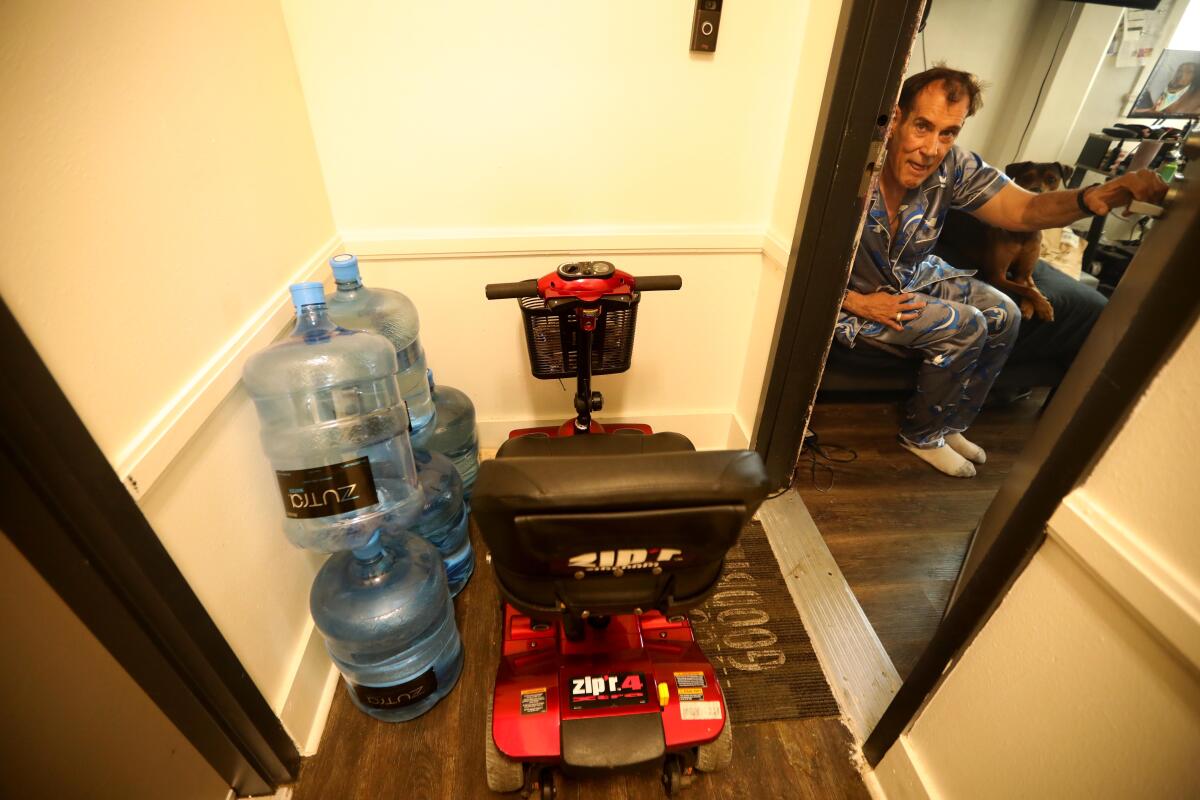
507,291
529,288
658,283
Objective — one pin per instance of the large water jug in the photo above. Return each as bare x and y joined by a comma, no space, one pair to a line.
443,521
393,315
388,624
453,432
335,429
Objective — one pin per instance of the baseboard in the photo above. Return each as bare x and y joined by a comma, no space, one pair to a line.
739,438
899,776
310,694
482,242
707,431
146,458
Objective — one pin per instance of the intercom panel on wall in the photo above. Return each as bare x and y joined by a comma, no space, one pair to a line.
705,25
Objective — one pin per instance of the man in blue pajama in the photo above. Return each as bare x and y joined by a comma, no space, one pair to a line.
901,297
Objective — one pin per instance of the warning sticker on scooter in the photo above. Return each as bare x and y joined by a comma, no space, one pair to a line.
533,701
690,679
606,690
708,709
693,693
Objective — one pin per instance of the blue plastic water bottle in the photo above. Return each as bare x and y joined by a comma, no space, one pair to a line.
388,622
335,429
453,432
392,315
443,521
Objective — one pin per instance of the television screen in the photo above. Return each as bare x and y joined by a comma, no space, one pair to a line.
1173,88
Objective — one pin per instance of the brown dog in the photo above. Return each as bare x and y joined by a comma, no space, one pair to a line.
996,253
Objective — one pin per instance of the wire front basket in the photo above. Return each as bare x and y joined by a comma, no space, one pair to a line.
552,339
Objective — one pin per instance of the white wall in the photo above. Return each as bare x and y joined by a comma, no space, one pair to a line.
161,183
1111,93
681,372
1072,76
813,61
461,148
1086,681
162,190
500,118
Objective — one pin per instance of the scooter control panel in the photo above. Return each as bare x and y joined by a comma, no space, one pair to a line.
586,269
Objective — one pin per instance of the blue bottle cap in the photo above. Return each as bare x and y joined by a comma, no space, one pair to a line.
309,293
345,268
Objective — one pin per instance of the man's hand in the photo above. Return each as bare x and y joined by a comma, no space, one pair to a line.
1141,185
889,309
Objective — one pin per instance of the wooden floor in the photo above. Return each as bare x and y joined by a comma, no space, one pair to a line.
897,528
440,755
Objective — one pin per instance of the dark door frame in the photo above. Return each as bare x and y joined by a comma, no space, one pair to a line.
1154,308
869,58
67,512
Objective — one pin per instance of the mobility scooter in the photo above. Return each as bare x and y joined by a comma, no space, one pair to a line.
601,538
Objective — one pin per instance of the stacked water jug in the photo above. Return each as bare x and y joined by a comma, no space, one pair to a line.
374,465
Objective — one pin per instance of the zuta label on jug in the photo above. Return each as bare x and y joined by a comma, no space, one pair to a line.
327,491
398,695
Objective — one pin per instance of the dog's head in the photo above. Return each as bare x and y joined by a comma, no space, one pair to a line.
1038,177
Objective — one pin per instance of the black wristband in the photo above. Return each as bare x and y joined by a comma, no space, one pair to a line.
1082,205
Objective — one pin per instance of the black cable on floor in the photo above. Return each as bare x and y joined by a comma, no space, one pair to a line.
821,456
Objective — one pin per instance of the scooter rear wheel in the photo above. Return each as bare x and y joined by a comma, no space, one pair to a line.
503,774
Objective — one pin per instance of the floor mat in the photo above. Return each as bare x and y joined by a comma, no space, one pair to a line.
751,632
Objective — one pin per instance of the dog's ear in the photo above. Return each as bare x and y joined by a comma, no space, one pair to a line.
1016,168
1066,170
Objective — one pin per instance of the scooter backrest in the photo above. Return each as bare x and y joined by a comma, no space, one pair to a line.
662,521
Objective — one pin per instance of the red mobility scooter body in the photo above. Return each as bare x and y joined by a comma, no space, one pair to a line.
588,684
647,664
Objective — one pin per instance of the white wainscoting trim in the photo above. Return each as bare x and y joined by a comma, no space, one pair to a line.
777,248
1155,591
145,459
483,242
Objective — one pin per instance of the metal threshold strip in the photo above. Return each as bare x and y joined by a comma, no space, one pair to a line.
856,666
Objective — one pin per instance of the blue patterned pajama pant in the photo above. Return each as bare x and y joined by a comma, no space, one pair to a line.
964,334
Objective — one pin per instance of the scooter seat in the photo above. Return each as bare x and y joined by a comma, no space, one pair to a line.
614,533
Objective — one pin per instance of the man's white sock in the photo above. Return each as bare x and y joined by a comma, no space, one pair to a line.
968,450
944,459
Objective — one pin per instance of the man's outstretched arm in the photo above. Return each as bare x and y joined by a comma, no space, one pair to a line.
1015,209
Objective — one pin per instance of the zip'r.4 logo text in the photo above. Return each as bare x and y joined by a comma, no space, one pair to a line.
603,560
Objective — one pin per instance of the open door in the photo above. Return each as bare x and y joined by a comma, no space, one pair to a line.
1153,308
